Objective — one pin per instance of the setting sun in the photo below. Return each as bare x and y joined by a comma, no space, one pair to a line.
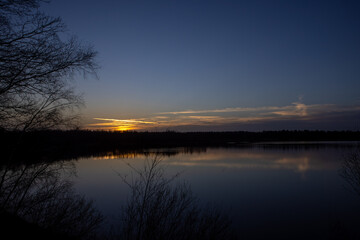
124,128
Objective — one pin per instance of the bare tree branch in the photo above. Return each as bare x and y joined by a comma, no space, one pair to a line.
38,194
350,170
158,209
37,63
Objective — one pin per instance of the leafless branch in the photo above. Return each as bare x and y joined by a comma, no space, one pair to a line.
159,209
36,66
350,170
38,194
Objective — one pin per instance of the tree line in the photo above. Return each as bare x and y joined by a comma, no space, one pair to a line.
58,144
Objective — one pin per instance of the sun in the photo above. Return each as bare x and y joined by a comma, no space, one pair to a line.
124,128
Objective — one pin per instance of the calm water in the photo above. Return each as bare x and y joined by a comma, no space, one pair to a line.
282,191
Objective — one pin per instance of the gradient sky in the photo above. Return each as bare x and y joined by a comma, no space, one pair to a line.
219,65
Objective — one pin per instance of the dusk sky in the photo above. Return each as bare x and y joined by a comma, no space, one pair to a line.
219,65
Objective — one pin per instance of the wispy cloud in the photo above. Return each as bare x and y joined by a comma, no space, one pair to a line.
297,108
120,124
125,120
224,110
216,117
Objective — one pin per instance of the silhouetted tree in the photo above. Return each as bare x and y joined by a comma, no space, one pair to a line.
37,63
38,194
350,170
157,209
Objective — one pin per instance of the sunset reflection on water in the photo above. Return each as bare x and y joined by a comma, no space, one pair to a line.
265,186
245,158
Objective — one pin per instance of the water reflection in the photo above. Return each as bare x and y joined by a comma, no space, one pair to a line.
254,159
263,185
166,152
157,209
39,194
259,157
281,190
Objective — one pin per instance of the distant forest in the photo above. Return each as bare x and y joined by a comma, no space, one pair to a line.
55,144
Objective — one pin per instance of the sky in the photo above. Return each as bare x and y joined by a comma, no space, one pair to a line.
218,65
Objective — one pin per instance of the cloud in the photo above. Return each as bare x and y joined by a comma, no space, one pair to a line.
297,115
120,124
125,120
298,109
225,110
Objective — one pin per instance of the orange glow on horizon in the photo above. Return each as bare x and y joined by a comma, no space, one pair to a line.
231,117
124,128
120,125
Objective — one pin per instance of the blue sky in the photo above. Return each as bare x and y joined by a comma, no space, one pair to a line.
219,65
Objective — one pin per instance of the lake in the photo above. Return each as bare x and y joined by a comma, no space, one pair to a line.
277,190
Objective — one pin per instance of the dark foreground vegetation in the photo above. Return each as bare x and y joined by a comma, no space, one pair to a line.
53,145
18,228
36,201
